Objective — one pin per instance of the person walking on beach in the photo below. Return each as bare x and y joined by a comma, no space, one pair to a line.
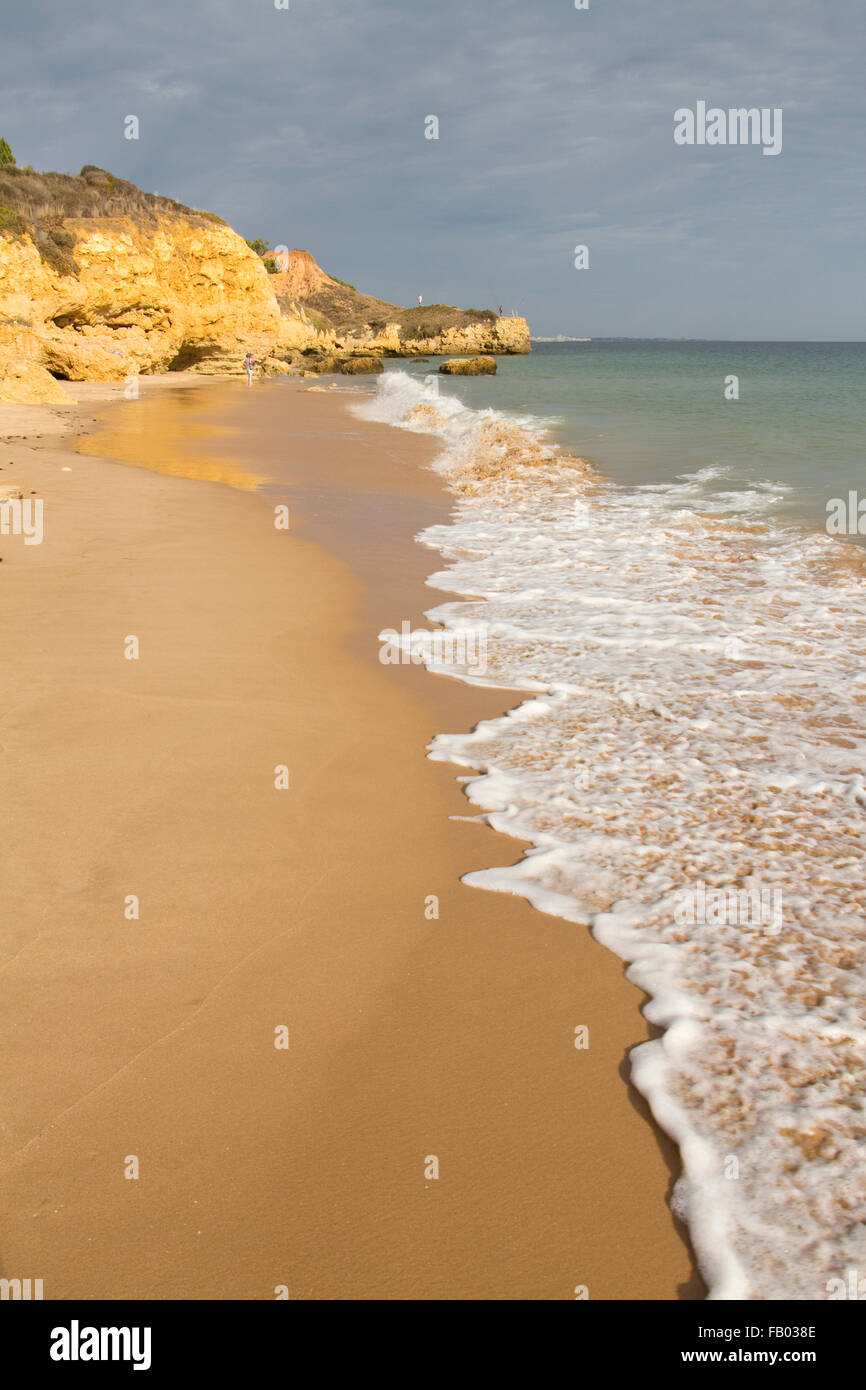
249,363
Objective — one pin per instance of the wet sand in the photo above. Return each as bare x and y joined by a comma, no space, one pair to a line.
410,1036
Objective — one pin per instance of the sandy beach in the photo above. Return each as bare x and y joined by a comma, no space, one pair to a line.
153,1036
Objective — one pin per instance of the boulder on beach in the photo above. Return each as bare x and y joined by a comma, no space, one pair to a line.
469,366
26,383
361,366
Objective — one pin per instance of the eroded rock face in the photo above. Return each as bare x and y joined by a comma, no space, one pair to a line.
297,331
174,295
298,275
504,335
469,366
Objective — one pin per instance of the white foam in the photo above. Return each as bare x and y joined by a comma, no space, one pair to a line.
701,676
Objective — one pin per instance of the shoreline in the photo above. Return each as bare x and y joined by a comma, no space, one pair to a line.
458,1029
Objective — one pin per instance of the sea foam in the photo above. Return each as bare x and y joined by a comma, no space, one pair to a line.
693,730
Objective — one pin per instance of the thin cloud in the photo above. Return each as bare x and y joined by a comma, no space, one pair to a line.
307,126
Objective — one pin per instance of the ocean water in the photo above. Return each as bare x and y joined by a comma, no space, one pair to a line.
647,412
650,565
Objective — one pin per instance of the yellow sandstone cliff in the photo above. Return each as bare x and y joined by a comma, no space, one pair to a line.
163,288
175,296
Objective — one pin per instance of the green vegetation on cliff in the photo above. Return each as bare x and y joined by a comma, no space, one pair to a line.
35,204
343,308
46,198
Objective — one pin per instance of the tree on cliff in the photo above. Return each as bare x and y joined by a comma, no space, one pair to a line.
6,155
263,251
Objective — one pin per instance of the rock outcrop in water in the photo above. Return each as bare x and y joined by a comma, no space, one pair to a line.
469,366
100,281
361,366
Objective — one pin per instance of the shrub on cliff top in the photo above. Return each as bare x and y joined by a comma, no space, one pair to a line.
35,204
54,248
65,240
46,198
54,244
429,320
263,250
6,155
12,221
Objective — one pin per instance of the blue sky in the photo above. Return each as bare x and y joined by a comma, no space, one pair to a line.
306,126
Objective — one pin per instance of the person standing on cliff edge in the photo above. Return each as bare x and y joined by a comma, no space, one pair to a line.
500,311
249,363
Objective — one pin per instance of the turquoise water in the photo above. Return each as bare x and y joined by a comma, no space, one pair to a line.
648,412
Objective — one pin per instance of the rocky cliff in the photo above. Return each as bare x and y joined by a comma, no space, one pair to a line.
100,281
355,322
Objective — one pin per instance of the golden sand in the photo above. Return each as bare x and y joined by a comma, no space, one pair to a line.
412,1036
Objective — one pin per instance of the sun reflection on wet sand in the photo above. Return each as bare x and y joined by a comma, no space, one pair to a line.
167,433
